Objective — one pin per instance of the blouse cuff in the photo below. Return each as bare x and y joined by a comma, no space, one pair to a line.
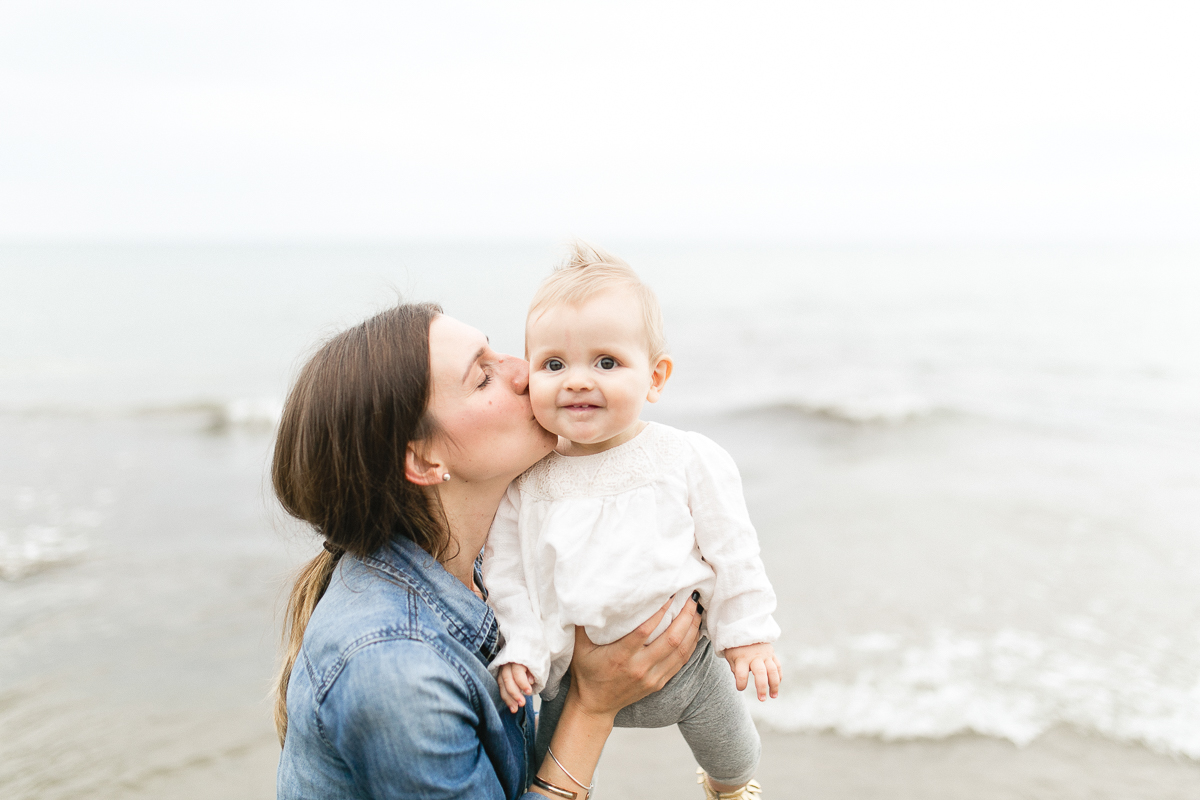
528,657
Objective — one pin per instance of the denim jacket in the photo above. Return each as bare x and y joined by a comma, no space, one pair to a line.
390,695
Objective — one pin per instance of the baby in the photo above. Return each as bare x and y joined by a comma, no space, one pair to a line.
624,516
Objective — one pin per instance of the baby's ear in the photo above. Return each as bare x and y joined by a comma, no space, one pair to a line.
658,378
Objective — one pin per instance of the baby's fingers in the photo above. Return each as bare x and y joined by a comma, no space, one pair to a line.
509,692
774,675
524,681
508,699
739,673
760,678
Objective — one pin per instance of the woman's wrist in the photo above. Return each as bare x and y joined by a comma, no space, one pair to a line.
581,708
577,744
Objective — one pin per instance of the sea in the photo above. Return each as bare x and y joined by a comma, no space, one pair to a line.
974,471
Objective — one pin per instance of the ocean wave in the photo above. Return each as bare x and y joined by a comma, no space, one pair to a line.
261,413
1013,685
892,410
38,530
36,548
246,412
254,413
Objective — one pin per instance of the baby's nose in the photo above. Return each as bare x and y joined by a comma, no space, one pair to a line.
579,379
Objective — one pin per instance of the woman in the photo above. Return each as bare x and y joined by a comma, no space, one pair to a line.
396,444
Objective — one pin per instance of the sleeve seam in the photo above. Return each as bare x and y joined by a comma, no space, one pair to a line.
455,667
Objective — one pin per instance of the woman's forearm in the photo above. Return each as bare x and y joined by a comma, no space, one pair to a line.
605,679
577,744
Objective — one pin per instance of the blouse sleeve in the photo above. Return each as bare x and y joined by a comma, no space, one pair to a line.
739,612
508,594
419,734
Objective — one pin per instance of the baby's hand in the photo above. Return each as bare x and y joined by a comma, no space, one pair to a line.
515,682
759,660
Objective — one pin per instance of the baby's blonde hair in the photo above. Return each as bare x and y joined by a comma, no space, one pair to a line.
589,271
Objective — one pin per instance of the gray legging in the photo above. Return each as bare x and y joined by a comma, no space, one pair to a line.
702,700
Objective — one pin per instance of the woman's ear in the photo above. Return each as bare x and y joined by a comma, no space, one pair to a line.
419,470
658,378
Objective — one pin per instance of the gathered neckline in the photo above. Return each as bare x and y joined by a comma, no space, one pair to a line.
637,436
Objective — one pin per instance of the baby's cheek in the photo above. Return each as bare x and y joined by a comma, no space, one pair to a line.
541,397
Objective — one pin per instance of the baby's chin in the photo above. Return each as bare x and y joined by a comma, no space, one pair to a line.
569,434
565,438
578,437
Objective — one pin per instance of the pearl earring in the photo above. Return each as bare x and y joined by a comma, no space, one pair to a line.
445,477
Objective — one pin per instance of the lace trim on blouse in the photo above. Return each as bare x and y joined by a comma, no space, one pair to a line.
641,460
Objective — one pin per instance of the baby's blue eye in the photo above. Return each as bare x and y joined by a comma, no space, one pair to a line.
608,362
554,365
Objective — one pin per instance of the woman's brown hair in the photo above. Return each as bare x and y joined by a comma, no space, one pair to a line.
340,454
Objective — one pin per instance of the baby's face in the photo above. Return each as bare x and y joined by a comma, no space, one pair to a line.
589,369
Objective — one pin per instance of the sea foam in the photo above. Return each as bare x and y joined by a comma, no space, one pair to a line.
40,531
35,548
1012,685
252,412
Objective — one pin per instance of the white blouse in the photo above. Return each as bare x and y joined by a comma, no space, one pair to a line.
603,540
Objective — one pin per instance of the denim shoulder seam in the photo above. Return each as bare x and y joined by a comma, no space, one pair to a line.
330,675
446,657
430,599
323,687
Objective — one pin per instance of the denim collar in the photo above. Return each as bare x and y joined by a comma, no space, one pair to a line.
468,619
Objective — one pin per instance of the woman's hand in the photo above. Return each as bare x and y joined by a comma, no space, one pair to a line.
606,678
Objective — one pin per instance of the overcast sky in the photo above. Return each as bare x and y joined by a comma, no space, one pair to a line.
811,121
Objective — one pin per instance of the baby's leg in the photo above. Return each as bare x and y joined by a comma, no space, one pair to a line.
703,701
718,728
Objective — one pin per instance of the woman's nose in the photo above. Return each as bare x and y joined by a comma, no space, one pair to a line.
517,372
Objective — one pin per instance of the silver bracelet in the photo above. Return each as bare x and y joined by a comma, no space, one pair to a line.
587,789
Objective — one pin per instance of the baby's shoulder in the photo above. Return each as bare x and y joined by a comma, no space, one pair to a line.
654,453
704,449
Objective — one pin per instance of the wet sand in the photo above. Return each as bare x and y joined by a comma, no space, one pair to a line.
244,773
1061,765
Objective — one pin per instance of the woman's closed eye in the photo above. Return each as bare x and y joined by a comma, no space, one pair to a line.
487,378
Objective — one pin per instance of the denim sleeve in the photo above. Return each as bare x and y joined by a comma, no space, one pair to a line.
404,721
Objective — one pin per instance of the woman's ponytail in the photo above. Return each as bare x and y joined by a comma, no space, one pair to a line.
311,583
